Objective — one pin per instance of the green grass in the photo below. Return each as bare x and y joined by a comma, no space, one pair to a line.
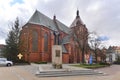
90,66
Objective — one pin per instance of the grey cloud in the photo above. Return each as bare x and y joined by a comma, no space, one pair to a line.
105,20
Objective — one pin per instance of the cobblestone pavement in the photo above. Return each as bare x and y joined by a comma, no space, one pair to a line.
27,72
112,73
110,70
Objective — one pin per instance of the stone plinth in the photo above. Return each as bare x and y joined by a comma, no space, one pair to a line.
57,56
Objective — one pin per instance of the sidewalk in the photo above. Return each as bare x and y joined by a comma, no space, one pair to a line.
113,70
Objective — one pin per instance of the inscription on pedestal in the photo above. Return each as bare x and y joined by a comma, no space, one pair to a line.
57,53
57,56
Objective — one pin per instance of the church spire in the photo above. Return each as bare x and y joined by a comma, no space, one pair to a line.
77,13
77,20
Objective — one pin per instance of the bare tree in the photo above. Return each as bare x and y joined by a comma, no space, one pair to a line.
95,44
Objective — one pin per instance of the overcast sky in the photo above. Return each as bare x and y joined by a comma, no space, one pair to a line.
101,16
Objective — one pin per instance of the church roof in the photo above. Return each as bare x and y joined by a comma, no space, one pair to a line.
66,39
77,19
63,27
41,19
64,49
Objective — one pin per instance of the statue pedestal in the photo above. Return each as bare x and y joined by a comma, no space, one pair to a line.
57,56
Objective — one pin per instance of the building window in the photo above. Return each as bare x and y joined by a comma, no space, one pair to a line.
45,42
34,41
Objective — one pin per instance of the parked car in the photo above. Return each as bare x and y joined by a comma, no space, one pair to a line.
5,62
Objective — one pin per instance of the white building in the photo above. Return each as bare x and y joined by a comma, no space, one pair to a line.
111,55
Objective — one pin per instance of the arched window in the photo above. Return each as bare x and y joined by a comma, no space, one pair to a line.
45,42
34,41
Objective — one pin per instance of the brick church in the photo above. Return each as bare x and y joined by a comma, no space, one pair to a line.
40,33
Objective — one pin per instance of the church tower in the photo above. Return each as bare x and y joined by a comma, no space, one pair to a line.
80,38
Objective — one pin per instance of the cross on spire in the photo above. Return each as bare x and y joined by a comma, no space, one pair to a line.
77,12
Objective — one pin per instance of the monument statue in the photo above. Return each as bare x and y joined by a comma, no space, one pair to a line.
57,52
57,39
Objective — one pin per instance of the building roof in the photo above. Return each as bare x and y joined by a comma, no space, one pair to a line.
63,27
64,49
113,49
41,19
66,39
2,46
77,19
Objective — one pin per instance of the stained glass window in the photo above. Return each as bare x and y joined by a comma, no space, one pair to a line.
34,41
45,42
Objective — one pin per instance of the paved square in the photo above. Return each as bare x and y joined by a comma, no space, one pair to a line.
27,72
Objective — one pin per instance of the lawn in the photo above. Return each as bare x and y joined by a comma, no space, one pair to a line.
90,66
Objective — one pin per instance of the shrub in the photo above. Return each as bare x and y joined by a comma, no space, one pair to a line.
104,63
117,61
43,62
21,62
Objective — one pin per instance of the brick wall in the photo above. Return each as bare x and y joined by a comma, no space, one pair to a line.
40,55
65,58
